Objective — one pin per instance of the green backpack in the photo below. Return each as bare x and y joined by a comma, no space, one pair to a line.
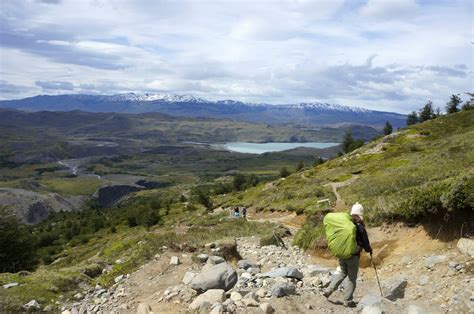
341,234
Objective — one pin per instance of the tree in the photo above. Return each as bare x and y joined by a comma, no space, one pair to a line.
387,128
16,244
239,181
349,143
427,112
318,161
284,172
300,166
452,105
412,118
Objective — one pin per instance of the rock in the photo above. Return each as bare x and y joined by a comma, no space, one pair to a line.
32,305
78,296
253,270
173,291
431,261
220,276
414,309
283,289
204,308
453,265
249,302
217,309
11,285
210,296
119,278
202,257
235,296
66,312
48,308
174,261
424,280
211,245
395,289
406,260
314,270
214,260
267,308
119,261
246,264
466,246
261,293
246,276
369,300
188,277
289,272
371,310
144,308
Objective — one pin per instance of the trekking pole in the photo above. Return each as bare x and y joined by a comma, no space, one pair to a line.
376,275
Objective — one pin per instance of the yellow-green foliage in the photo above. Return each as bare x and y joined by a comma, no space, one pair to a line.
73,186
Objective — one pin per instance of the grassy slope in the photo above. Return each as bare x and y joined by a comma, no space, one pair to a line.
389,172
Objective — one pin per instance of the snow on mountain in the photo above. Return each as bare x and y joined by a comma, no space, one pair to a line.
154,97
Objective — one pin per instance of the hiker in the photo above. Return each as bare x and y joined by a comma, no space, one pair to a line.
244,212
350,266
236,212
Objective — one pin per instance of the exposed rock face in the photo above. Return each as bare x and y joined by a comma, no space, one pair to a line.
109,196
220,276
33,207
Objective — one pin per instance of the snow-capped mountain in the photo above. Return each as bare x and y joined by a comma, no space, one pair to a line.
189,106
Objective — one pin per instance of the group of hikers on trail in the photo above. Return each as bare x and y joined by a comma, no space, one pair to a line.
236,212
347,237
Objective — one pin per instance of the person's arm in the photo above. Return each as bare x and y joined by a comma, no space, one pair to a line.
365,239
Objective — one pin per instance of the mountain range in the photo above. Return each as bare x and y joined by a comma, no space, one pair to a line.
321,114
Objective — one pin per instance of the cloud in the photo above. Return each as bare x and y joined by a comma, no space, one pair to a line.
8,88
387,55
55,85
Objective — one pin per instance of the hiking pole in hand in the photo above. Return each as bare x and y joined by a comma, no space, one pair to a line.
376,275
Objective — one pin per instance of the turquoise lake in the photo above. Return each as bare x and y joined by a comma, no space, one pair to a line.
260,148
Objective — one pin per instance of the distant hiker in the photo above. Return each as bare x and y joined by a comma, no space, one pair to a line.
244,212
236,212
346,237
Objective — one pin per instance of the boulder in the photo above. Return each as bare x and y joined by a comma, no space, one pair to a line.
431,261
370,309
267,308
246,264
315,270
466,246
283,289
214,260
210,296
253,270
217,309
289,272
220,276
174,261
395,288
32,305
369,300
188,277
202,257
235,296
414,309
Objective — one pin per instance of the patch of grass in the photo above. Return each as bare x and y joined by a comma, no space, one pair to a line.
73,186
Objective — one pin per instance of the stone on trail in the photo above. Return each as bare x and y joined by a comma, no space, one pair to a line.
32,305
414,309
372,310
235,296
424,280
202,257
214,260
211,296
466,246
246,264
431,261
283,289
369,300
394,288
315,270
119,278
267,308
220,276
174,260
250,302
188,277
289,272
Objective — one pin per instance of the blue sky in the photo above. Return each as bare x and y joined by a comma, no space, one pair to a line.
380,54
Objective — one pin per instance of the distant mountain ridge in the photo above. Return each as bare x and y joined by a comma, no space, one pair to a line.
189,106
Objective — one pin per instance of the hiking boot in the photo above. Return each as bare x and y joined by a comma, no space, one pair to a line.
326,294
348,303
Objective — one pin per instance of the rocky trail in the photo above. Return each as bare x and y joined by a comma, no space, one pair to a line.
267,279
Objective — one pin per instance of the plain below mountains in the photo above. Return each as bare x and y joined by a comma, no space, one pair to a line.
189,106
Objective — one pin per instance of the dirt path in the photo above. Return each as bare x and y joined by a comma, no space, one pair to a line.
340,204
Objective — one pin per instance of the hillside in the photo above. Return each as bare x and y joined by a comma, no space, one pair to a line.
319,114
424,173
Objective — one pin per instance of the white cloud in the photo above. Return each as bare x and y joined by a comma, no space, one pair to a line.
266,51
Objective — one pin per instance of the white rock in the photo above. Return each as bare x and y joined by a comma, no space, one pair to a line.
466,246
217,309
414,309
267,308
235,296
119,278
210,296
174,260
32,305
188,277
371,310
11,285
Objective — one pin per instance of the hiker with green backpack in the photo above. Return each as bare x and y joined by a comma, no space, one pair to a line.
346,237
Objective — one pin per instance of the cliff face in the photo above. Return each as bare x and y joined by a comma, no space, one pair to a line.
109,196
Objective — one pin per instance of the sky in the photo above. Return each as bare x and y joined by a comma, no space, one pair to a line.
391,55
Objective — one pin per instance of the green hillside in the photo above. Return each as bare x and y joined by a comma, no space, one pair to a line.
422,172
